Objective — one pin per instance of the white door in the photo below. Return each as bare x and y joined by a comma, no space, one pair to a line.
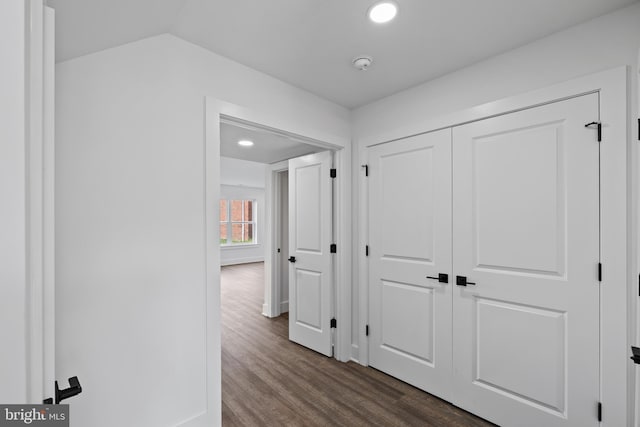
526,235
410,246
310,266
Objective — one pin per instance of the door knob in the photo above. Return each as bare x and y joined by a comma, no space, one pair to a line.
292,259
462,281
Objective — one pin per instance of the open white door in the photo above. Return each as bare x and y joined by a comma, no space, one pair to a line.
310,266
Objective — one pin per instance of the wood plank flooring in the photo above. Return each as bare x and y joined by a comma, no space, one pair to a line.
269,381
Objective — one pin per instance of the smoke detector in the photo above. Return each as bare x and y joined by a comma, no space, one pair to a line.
362,62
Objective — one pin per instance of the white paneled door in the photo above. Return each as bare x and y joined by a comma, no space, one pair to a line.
526,234
310,263
508,207
410,248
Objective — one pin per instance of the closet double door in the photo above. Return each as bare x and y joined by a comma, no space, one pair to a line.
483,267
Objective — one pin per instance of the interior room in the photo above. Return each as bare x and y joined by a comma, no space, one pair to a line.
439,201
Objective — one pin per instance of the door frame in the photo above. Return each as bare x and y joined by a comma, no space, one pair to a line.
618,246
215,111
40,191
273,271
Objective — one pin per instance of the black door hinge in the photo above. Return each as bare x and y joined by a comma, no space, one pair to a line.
366,250
333,173
638,129
599,272
366,330
366,170
334,323
599,411
334,248
598,125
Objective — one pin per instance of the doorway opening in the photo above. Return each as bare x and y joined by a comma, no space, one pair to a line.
255,218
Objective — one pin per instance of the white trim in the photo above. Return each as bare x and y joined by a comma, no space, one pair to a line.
355,350
342,226
271,235
617,245
284,306
634,214
211,218
244,260
363,260
49,317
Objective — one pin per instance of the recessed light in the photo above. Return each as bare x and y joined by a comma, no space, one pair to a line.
245,143
383,11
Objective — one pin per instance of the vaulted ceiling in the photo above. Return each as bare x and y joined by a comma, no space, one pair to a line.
310,43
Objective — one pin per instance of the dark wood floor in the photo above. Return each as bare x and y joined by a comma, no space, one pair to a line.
269,381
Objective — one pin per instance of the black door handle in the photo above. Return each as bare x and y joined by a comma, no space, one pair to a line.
462,281
292,259
74,389
442,278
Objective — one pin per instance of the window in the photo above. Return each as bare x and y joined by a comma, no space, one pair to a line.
237,222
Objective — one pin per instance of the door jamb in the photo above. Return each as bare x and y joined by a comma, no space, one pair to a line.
273,273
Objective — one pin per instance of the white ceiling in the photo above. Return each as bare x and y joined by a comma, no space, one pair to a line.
310,43
268,147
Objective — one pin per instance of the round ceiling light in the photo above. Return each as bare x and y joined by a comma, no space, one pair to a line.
383,11
245,143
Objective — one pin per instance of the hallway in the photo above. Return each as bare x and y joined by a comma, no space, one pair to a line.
269,381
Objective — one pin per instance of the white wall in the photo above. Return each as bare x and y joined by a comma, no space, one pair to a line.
606,42
242,173
13,284
130,222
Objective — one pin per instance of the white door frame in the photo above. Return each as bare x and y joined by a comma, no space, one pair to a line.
618,245
40,61
273,270
215,110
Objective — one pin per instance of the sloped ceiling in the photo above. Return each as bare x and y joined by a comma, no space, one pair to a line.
310,43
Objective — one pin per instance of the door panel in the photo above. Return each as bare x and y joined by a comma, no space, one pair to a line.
526,233
410,239
310,234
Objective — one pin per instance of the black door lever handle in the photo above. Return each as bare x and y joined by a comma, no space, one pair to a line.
442,278
74,389
292,259
462,281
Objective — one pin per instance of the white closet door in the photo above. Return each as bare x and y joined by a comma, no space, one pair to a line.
526,234
310,232
410,241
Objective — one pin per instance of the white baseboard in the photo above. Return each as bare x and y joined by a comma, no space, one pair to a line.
265,310
284,306
355,353
235,261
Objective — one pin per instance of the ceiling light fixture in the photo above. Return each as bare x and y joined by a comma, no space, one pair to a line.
383,11
245,143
